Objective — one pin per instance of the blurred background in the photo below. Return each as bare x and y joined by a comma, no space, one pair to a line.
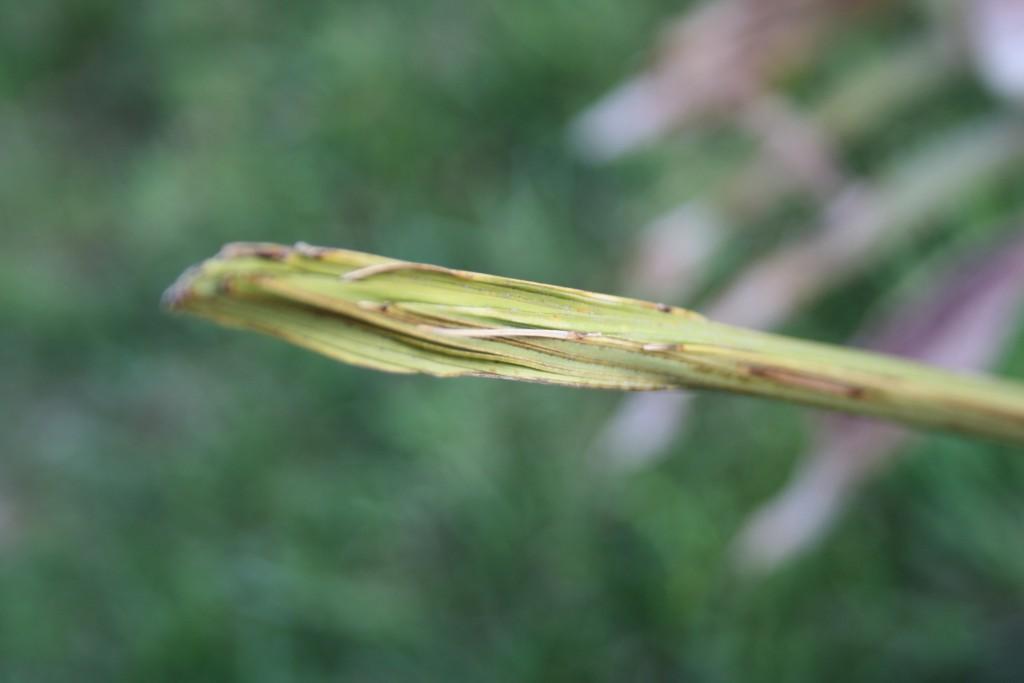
182,502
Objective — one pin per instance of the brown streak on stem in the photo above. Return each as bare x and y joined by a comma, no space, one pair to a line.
271,252
802,380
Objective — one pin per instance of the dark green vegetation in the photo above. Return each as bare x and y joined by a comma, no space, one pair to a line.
178,502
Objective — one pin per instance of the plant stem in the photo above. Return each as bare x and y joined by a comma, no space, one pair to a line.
406,317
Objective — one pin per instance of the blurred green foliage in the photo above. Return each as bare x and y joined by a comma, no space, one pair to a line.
178,502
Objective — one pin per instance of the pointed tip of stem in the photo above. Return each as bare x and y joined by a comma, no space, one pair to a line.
174,297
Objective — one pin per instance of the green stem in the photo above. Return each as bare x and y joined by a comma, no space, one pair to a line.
406,317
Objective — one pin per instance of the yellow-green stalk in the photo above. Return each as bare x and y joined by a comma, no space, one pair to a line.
398,316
